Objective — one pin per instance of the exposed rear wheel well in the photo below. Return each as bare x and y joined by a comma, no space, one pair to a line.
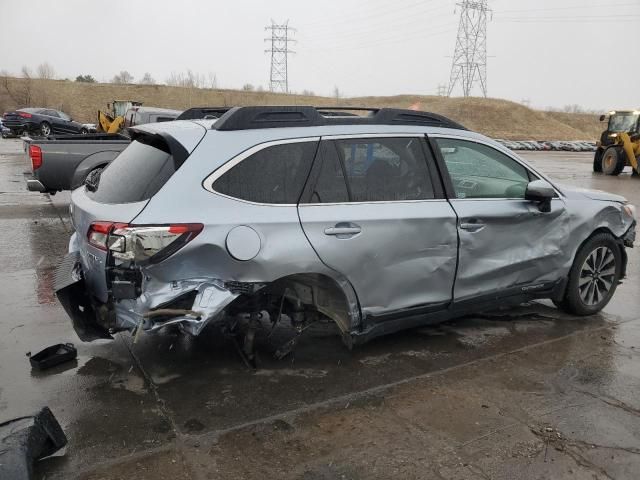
299,295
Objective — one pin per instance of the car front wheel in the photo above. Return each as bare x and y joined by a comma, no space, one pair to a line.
594,276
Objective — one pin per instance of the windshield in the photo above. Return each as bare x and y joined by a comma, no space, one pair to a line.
623,122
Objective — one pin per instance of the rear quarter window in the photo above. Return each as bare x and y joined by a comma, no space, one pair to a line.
136,174
274,175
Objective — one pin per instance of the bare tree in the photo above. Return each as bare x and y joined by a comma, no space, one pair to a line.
21,92
190,79
147,79
123,78
213,80
174,80
247,87
309,93
45,71
337,94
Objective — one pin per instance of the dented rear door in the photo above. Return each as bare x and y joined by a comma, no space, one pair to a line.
387,228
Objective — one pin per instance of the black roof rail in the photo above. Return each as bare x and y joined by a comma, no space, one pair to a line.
255,117
199,113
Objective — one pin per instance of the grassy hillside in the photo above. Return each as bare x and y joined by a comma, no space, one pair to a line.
493,117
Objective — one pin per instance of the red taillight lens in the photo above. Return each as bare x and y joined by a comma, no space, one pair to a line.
35,153
142,243
185,228
98,234
24,115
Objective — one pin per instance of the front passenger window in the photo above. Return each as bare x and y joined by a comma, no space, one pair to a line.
479,171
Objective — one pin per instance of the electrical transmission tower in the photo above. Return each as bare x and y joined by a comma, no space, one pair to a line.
442,90
469,65
280,40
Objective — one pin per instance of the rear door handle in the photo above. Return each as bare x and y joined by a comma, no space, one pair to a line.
343,230
472,226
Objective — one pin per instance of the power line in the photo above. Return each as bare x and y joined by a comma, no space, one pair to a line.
582,7
279,77
469,66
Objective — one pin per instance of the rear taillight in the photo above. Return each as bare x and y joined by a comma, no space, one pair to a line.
142,243
24,115
35,153
98,234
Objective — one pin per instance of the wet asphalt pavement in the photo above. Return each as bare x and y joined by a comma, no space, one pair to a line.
521,393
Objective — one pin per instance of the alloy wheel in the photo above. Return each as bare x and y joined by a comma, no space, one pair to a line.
597,276
45,129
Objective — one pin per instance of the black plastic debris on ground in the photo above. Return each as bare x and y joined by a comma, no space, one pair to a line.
24,440
53,355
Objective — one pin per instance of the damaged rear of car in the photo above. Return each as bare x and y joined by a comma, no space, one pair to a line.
101,281
153,248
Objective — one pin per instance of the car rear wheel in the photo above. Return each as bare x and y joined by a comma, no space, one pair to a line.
594,276
613,161
45,129
597,161
84,131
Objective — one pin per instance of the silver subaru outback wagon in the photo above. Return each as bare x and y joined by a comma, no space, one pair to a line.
378,222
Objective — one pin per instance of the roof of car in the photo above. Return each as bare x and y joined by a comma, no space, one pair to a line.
261,117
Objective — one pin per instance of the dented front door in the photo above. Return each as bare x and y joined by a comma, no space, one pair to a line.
507,244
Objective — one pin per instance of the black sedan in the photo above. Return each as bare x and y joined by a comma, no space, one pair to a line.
43,121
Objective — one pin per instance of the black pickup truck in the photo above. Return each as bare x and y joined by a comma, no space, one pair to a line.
63,162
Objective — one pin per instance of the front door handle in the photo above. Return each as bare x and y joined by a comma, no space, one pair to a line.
343,230
473,226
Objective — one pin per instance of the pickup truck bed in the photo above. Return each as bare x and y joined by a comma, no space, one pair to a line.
68,159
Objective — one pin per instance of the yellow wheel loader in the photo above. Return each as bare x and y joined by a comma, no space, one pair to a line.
112,121
619,144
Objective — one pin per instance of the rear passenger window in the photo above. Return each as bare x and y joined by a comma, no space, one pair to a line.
330,186
272,175
380,169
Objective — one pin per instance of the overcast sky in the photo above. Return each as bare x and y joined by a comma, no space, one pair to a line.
552,52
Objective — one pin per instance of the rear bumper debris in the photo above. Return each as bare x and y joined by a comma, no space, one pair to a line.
191,303
24,440
70,288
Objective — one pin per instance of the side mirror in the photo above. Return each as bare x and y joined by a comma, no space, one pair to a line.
603,118
541,192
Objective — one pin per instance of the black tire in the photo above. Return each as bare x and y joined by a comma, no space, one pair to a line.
45,129
597,161
594,276
613,161
97,169
84,131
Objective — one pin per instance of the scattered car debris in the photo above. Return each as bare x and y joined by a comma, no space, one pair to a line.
24,440
52,356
